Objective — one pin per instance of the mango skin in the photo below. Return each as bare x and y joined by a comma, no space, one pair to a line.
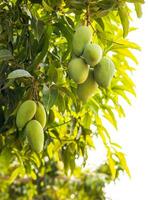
35,135
25,113
104,72
40,114
88,88
92,54
82,36
78,70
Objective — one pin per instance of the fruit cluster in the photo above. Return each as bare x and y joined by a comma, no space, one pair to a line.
88,68
31,117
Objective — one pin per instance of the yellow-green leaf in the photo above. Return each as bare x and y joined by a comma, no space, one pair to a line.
123,162
112,165
123,13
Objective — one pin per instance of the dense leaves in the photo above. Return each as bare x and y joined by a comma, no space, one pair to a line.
35,49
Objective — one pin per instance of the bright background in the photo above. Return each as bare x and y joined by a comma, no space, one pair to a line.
132,133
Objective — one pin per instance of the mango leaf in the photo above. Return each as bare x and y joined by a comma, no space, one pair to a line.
100,130
50,96
40,56
52,74
122,44
94,105
127,53
109,115
68,93
5,54
60,103
123,95
18,171
116,145
35,158
89,141
50,150
6,158
123,14
38,28
87,120
123,162
46,6
65,154
138,9
111,163
18,73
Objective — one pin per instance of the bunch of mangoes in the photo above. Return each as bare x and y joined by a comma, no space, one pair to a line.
31,118
88,68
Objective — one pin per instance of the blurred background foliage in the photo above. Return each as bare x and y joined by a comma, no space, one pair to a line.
36,37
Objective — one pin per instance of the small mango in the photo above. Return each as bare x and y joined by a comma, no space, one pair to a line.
88,88
81,37
104,71
25,113
40,114
35,135
78,70
92,54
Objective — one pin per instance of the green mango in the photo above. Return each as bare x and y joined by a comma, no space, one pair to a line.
92,54
40,114
104,72
88,88
82,36
35,135
25,113
78,70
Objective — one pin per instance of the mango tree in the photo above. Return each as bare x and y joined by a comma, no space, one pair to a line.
65,68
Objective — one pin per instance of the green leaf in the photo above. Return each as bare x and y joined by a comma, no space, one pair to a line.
38,28
87,120
101,130
123,14
138,9
66,158
116,145
123,95
60,103
40,56
18,73
127,53
122,43
112,165
5,159
68,93
46,6
50,96
123,162
35,158
15,173
109,115
5,54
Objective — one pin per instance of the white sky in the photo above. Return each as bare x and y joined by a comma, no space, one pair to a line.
133,130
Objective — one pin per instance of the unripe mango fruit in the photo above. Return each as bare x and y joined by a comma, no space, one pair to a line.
40,114
35,135
78,70
88,88
92,54
81,37
25,113
104,71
